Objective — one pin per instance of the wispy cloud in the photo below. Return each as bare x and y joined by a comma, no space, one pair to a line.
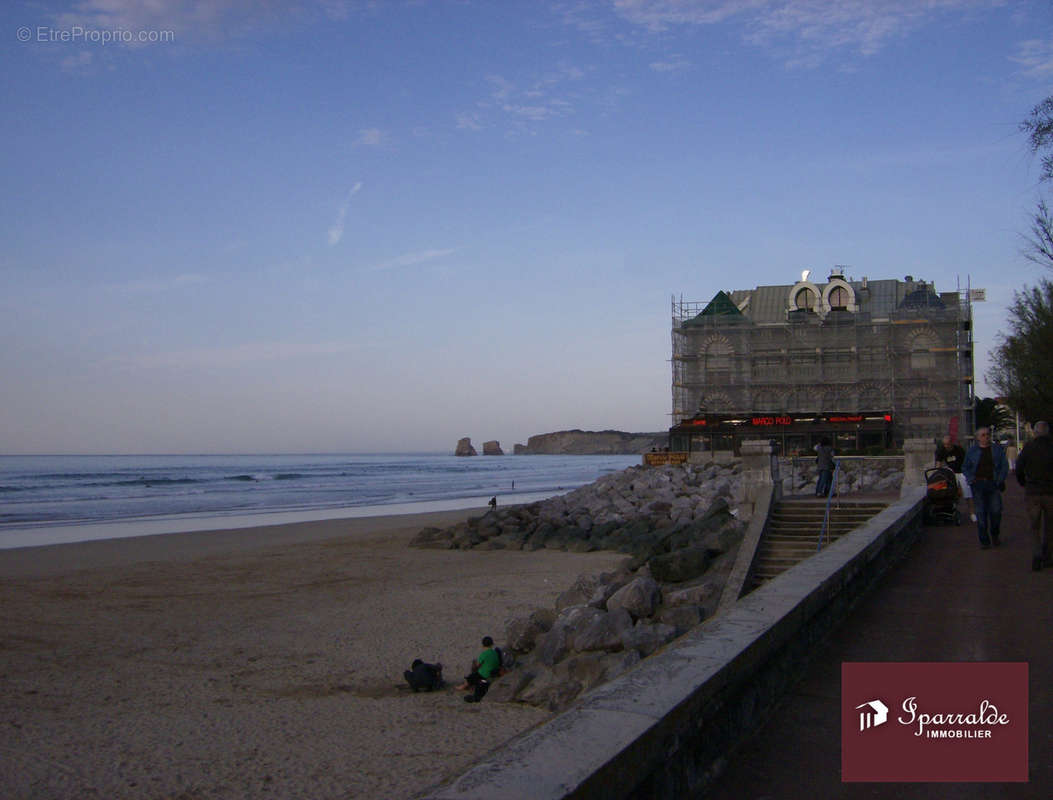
542,97
370,137
77,62
810,28
197,20
675,63
1035,56
412,259
469,121
336,232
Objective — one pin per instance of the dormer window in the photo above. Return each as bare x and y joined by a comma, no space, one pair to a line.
839,297
805,299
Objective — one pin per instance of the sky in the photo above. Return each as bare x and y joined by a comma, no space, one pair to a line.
327,226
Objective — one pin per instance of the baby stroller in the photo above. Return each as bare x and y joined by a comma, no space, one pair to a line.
941,497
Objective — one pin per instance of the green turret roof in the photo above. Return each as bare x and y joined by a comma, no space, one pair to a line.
720,306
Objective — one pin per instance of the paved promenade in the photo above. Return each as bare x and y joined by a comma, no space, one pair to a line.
948,600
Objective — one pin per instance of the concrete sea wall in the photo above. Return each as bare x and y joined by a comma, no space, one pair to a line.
665,728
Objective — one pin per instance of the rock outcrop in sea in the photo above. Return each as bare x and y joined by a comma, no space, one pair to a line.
492,449
588,443
680,527
464,447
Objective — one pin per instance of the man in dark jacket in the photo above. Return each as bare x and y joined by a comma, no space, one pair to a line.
1034,471
424,677
986,468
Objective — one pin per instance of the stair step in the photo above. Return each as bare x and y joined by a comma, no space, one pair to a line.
794,527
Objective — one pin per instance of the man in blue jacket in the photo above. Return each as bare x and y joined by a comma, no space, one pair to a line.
985,469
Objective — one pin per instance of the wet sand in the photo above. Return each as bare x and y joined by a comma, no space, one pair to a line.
260,662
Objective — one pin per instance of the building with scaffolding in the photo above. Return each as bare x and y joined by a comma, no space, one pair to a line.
868,363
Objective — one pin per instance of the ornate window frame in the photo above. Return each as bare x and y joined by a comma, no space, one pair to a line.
791,300
835,283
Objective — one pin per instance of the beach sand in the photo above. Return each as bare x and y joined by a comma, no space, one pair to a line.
263,662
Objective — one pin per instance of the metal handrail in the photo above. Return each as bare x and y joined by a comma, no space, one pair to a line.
829,497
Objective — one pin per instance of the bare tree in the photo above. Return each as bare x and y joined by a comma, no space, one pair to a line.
1038,246
1039,129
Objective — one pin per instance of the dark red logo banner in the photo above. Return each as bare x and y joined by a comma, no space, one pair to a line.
923,721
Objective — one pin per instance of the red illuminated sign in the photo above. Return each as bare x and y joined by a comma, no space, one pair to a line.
847,418
771,421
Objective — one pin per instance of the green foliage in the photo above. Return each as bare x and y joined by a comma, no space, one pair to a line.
990,414
1022,363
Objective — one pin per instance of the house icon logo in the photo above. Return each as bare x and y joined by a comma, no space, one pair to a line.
872,714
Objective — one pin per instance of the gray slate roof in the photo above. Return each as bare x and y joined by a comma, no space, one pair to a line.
768,303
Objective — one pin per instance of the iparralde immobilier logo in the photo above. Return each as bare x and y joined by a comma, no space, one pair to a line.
934,721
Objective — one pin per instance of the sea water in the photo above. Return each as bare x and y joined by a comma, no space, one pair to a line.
54,499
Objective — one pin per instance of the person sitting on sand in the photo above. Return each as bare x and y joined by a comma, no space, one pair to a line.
484,667
424,677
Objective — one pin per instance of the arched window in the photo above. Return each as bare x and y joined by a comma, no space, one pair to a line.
922,359
805,299
718,356
839,297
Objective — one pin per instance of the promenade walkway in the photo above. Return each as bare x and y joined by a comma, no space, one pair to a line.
947,600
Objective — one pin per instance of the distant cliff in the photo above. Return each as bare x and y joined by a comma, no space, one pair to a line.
592,443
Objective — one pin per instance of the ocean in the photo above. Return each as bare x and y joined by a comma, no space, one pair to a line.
57,499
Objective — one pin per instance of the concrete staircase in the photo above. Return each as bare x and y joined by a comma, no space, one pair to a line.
793,532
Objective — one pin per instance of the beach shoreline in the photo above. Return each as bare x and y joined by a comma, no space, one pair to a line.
268,660
43,534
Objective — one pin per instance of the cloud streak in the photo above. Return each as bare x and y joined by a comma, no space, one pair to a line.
412,259
370,137
811,28
336,232
207,20
1035,56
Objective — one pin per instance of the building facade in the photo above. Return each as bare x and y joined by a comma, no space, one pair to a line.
869,362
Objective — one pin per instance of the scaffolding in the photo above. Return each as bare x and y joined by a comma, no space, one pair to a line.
898,347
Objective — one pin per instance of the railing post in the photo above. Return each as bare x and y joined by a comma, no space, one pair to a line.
917,457
829,497
757,468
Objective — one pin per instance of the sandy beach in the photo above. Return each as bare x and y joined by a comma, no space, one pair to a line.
261,662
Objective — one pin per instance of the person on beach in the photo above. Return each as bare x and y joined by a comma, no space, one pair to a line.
824,461
424,677
985,469
493,503
485,666
1034,471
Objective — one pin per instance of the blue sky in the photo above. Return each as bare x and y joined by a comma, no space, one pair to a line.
342,226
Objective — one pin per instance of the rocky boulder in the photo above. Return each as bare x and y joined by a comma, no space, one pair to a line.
464,447
640,597
492,449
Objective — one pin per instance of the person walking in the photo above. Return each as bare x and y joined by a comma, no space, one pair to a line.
985,469
824,463
1034,471
950,454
